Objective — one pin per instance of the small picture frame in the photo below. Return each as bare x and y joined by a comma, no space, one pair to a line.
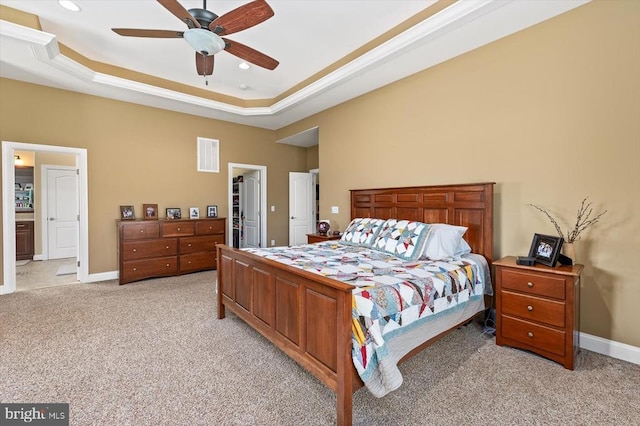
546,249
150,211
127,213
173,213
194,212
212,211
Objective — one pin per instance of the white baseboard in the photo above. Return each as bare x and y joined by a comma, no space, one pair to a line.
38,257
102,276
610,348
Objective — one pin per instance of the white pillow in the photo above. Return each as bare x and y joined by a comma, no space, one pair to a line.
445,241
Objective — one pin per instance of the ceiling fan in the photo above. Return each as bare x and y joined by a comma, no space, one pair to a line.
206,30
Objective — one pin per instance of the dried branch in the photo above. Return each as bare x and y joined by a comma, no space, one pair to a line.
583,220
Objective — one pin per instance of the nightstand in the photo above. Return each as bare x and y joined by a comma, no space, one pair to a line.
317,238
538,309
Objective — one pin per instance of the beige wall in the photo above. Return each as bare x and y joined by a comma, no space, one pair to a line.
138,154
551,114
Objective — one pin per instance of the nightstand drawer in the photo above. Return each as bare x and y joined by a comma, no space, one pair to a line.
533,335
533,283
533,308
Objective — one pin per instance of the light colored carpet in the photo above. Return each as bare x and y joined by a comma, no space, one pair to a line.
67,270
154,352
22,262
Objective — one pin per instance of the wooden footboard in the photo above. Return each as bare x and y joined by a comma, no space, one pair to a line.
306,315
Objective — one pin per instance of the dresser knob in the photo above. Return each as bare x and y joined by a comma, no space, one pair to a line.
135,250
135,269
167,247
210,228
530,334
178,229
189,244
167,265
530,308
529,284
142,231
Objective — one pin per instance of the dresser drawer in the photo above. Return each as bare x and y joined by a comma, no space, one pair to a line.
546,311
208,227
533,283
194,244
178,229
133,250
533,335
140,230
139,269
196,261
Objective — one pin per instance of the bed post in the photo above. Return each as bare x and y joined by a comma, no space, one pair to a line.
344,385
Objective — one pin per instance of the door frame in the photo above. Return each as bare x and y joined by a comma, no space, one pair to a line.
263,200
9,214
44,192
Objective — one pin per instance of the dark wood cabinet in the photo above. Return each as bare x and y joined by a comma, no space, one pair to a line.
158,248
538,309
24,240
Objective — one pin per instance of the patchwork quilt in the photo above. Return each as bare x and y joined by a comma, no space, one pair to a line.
390,296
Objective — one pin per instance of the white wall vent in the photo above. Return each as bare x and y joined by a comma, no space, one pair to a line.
208,155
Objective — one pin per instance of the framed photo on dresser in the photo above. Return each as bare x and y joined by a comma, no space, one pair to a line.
173,213
150,211
212,211
126,213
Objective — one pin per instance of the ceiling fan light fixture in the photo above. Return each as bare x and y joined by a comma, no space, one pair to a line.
69,5
244,66
204,41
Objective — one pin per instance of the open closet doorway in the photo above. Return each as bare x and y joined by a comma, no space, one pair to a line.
247,216
58,196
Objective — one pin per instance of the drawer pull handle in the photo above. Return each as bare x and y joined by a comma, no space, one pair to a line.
529,284
167,247
178,229
135,269
142,231
530,334
529,308
189,244
211,227
135,250
167,265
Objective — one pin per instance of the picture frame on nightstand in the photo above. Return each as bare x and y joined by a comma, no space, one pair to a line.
546,249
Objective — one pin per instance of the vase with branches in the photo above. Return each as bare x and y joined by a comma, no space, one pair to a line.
585,219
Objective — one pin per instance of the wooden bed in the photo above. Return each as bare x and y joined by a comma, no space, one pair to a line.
308,316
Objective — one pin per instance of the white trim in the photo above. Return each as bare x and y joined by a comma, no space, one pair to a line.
102,276
610,348
263,200
9,216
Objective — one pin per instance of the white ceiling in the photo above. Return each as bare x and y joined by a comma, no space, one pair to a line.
305,36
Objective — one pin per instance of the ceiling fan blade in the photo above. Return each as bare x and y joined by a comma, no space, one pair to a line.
135,32
250,55
180,12
204,64
241,18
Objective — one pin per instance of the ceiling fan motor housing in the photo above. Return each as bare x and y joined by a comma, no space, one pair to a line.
203,16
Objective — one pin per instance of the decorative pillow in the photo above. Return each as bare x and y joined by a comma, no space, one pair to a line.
402,238
362,231
445,241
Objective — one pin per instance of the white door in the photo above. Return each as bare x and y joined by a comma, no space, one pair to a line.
251,191
62,213
300,210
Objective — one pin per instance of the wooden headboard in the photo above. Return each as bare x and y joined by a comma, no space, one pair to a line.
469,205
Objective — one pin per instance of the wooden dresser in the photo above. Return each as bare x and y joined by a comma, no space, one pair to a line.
538,309
157,248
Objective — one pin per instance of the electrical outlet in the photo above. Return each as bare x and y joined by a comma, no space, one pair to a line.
273,208
273,243
335,210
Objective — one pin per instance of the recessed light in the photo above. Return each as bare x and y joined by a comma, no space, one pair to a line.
244,66
69,5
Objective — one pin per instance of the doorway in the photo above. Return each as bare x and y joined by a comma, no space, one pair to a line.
251,223
9,216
